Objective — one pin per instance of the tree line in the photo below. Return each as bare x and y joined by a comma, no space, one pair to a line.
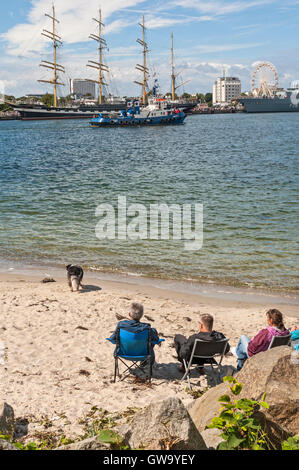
48,99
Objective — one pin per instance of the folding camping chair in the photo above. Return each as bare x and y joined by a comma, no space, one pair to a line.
280,341
206,350
134,347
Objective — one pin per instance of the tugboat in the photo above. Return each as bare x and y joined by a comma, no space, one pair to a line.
155,113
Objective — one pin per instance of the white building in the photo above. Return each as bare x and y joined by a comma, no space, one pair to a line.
81,88
226,89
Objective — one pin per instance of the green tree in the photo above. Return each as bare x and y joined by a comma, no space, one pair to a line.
48,100
65,100
201,97
186,96
10,98
209,98
4,107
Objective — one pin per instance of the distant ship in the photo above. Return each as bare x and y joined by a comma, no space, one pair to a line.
33,112
42,112
286,101
266,97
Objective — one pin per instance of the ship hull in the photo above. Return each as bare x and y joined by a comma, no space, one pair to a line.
136,121
33,114
269,105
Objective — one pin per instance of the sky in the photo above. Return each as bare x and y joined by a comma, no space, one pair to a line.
210,37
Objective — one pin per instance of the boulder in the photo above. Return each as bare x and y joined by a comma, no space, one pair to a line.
163,425
92,443
6,419
272,372
212,438
5,445
205,408
275,373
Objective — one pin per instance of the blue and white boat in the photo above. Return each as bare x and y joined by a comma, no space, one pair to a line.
156,113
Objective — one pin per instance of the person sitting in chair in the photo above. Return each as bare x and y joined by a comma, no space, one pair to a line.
249,347
184,346
134,325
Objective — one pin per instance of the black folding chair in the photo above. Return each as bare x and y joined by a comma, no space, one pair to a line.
280,341
206,350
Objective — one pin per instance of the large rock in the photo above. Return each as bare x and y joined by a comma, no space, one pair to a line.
275,373
5,445
212,438
92,443
205,408
163,425
6,419
272,372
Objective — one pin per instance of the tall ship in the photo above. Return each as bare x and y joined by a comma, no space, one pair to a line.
266,96
185,106
88,111
33,112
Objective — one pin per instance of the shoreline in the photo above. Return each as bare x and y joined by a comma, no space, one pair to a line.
190,291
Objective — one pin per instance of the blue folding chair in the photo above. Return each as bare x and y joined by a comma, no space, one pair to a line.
134,347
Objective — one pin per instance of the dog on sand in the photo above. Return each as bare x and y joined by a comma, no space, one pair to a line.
74,277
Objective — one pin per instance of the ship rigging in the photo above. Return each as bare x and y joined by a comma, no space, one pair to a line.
57,68
99,65
174,76
143,68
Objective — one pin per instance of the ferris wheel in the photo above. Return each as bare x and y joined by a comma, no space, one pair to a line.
264,79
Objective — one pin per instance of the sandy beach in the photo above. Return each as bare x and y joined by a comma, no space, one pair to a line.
58,364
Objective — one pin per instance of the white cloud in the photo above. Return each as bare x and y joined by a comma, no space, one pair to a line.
220,7
76,23
212,48
164,22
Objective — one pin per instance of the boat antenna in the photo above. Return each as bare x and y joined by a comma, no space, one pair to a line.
53,36
174,76
143,68
99,65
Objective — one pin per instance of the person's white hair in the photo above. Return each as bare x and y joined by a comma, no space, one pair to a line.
136,311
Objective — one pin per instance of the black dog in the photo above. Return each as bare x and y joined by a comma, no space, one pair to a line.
74,276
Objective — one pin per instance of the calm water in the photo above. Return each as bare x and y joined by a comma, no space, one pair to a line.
243,168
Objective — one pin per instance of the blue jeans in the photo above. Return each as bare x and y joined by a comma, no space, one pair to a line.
241,351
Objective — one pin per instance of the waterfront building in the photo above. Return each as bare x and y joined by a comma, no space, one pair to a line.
81,88
226,89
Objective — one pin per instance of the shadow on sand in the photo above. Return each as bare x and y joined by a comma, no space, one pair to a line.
170,373
89,288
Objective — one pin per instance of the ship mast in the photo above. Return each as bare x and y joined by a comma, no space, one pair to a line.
99,65
173,77
143,68
174,87
53,65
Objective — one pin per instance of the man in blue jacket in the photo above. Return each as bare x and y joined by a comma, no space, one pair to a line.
134,325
